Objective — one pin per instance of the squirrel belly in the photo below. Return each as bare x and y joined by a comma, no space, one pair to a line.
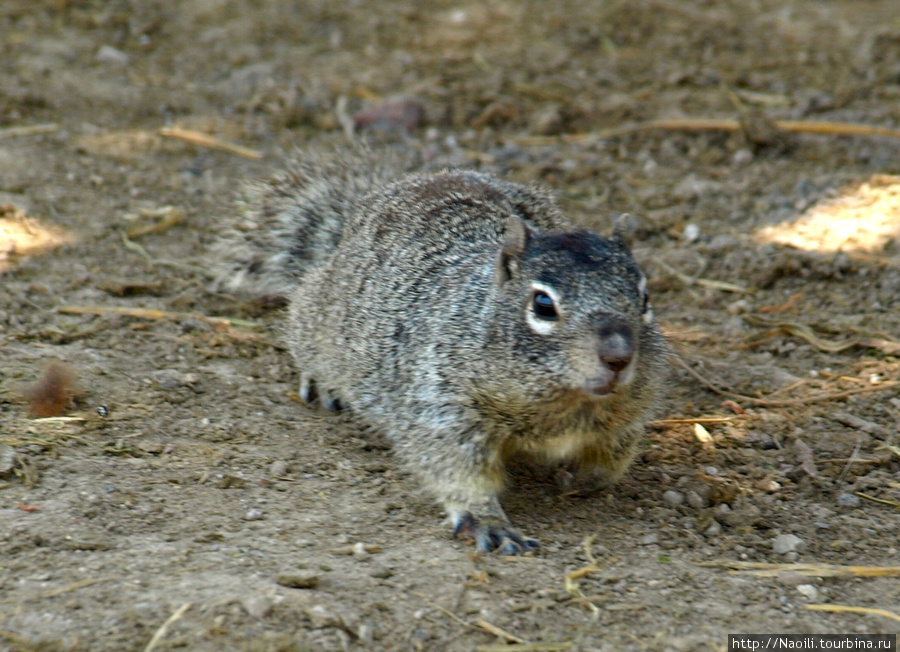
461,315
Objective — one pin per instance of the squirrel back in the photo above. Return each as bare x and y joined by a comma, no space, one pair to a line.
292,222
464,317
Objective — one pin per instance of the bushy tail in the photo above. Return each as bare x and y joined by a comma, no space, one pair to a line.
292,222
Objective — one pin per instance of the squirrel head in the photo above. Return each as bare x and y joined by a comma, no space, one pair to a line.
578,309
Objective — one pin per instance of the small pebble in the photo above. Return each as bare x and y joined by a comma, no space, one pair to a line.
151,447
366,634
381,572
695,500
322,617
787,543
258,606
394,114
723,242
109,54
7,460
673,498
791,578
649,539
547,121
742,157
808,591
691,233
278,469
359,551
713,530
253,515
298,579
848,500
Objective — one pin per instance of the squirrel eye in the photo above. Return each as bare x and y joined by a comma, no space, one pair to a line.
543,306
645,301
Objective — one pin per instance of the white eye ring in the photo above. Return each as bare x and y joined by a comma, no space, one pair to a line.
542,325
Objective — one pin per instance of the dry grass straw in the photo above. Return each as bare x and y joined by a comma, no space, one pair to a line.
882,343
881,501
526,647
843,608
72,587
222,325
770,403
29,130
161,632
764,569
205,140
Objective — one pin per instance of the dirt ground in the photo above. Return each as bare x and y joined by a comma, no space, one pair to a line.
186,486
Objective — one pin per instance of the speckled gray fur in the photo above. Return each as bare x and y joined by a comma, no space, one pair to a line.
411,304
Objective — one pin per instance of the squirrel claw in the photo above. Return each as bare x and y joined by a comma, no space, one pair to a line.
331,403
490,537
308,389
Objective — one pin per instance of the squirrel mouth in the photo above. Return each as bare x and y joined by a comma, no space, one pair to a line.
600,386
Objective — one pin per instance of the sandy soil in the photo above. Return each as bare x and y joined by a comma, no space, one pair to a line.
205,495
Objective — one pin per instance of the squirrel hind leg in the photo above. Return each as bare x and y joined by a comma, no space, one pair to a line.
492,534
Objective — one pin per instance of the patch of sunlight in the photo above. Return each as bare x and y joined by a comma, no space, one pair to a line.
864,219
22,236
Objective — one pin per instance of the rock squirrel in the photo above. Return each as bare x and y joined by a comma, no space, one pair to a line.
461,315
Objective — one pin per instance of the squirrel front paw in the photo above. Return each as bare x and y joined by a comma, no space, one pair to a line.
310,392
492,534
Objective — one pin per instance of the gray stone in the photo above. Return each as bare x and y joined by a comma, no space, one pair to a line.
649,539
848,500
321,617
673,498
109,54
695,500
257,606
7,460
808,591
298,579
278,469
713,530
787,543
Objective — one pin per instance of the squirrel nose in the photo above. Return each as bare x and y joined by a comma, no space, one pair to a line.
616,344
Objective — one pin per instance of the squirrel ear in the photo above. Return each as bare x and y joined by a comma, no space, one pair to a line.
621,233
517,235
